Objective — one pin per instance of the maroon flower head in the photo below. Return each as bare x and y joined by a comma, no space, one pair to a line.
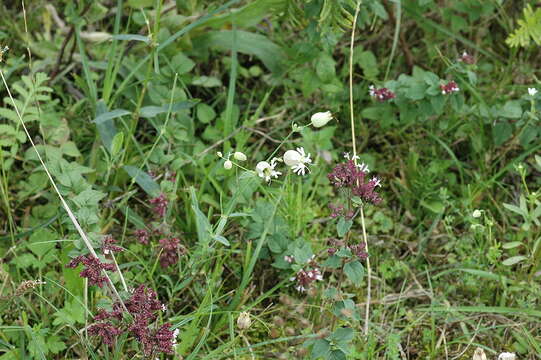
107,331
382,94
93,269
142,236
107,245
350,176
449,88
170,250
305,278
466,58
160,205
358,250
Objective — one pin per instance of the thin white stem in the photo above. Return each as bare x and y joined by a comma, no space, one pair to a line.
352,117
369,277
64,203
351,112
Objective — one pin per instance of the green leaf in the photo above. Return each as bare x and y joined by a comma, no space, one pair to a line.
221,239
512,245
511,110
205,113
325,67
501,132
332,262
514,260
132,37
117,143
151,111
206,81
354,271
144,180
248,43
105,124
55,345
321,348
182,64
201,221
343,226
41,241
368,62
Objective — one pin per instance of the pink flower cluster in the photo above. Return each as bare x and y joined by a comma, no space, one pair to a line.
170,250
347,175
449,88
305,278
382,94
160,205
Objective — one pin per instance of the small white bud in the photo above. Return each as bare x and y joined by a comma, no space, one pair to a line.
219,154
507,356
239,156
321,118
228,164
244,321
476,213
479,354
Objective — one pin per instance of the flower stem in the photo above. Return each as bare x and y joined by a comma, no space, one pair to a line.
369,275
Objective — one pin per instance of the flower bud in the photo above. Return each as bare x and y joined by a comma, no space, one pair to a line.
507,356
476,213
479,354
292,157
244,321
239,156
219,154
321,118
228,164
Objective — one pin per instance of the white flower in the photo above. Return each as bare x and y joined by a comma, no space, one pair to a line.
164,308
321,118
297,160
175,334
266,171
228,164
239,156
507,356
363,167
288,259
377,181
219,154
372,90
532,91
476,213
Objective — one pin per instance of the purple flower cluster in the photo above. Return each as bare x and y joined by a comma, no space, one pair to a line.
449,88
108,245
160,205
356,249
382,94
142,306
93,269
142,236
350,176
170,250
305,278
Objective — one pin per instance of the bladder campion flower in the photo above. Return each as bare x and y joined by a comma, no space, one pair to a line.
321,118
297,160
532,91
266,171
239,156
228,164
507,356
